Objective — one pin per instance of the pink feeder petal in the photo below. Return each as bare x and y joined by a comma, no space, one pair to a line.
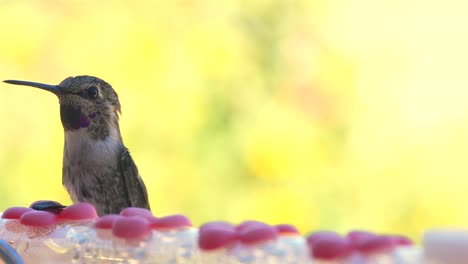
286,229
313,237
377,243
132,227
357,237
171,221
152,221
15,212
38,219
256,232
248,224
79,211
217,225
402,240
216,235
106,221
329,246
134,211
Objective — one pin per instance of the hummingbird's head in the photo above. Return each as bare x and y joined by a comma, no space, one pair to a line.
86,102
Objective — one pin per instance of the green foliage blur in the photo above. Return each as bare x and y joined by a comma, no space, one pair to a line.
323,114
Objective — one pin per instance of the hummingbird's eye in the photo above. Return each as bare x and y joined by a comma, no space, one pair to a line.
92,92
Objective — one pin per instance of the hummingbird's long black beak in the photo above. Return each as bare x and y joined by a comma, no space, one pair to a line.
51,88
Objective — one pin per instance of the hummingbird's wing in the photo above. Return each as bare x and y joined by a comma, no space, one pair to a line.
135,187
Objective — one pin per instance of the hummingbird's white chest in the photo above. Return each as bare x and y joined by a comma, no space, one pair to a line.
85,160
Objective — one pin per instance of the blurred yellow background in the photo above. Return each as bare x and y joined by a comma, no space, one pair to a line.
324,114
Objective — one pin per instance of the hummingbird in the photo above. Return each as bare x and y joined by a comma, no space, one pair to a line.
97,167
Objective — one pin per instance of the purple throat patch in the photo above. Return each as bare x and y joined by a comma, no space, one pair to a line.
72,118
84,121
